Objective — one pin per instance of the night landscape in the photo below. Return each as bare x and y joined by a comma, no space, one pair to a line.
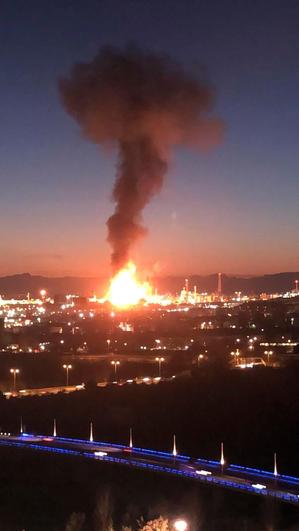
149,266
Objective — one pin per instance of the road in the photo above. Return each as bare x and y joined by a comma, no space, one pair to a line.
39,391
235,477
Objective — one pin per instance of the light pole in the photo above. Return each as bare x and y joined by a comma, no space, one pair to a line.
116,364
174,448
275,472
199,357
131,439
160,361
235,354
268,353
14,372
108,341
67,368
222,460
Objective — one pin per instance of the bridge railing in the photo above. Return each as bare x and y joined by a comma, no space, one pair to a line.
223,482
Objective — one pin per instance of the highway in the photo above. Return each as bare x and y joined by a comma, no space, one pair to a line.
39,391
148,380
243,479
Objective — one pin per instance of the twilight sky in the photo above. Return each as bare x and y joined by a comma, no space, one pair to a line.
234,209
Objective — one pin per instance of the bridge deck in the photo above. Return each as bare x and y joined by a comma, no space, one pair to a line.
244,479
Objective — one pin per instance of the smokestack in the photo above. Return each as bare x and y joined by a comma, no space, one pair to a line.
143,103
187,285
219,284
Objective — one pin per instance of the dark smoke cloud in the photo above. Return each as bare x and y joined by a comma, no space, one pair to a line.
145,103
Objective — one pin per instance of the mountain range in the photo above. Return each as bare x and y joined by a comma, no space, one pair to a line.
18,285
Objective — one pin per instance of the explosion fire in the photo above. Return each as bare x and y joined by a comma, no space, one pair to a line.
126,290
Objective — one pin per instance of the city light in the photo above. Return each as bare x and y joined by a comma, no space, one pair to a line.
180,525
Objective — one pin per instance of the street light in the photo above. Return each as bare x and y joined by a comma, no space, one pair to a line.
116,364
14,372
180,525
160,361
268,353
199,357
67,368
108,341
235,354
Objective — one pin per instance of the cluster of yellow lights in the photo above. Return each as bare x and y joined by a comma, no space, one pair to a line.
125,288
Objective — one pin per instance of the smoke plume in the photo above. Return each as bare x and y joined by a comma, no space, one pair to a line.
144,103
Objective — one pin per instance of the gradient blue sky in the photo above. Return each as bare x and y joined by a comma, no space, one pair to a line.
234,209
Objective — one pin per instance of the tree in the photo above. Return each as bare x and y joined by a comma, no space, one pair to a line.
75,522
159,524
103,512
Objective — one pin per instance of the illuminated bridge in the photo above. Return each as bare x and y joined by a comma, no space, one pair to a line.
239,478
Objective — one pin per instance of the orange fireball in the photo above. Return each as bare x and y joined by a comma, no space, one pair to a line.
126,290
